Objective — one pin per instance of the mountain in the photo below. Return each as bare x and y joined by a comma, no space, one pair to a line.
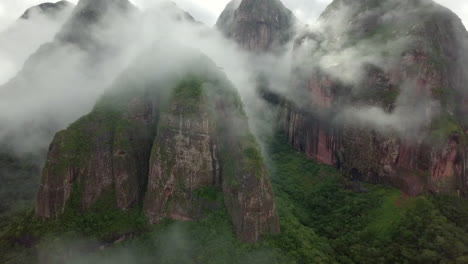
64,79
36,26
164,167
169,146
257,25
94,21
53,10
56,80
178,14
400,116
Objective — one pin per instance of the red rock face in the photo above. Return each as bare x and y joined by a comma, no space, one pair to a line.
414,161
406,154
445,165
414,166
310,136
324,152
320,94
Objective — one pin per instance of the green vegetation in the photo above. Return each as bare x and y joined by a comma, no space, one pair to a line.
321,221
75,143
453,208
252,154
17,182
386,96
187,96
444,126
380,225
103,221
441,94
210,193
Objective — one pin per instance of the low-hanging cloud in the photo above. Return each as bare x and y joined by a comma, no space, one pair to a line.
24,37
345,48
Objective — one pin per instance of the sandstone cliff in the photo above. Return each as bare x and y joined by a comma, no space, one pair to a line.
171,145
420,86
257,25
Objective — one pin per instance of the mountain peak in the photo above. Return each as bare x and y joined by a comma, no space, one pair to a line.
50,9
91,13
177,13
257,25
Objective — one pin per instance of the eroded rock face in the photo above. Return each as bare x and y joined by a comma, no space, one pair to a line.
178,152
184,159
103,151
196,149
428,156
257,25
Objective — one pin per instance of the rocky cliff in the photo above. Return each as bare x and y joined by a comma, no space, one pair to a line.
400,119
177,146
257,25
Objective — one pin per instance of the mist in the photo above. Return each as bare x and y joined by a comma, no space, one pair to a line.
340,47
23,38
71,82
63,79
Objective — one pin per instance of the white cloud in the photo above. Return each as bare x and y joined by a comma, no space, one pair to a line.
208,11
306,10
11,10
460,7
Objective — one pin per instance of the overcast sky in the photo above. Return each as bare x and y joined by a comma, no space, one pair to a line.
208,10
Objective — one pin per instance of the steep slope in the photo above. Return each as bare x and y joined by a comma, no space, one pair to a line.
164,144
382,95
66,73
257,25
59,82
36,26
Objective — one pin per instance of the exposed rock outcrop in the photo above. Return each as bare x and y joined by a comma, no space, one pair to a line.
164,148
257,25
421,82
102,151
